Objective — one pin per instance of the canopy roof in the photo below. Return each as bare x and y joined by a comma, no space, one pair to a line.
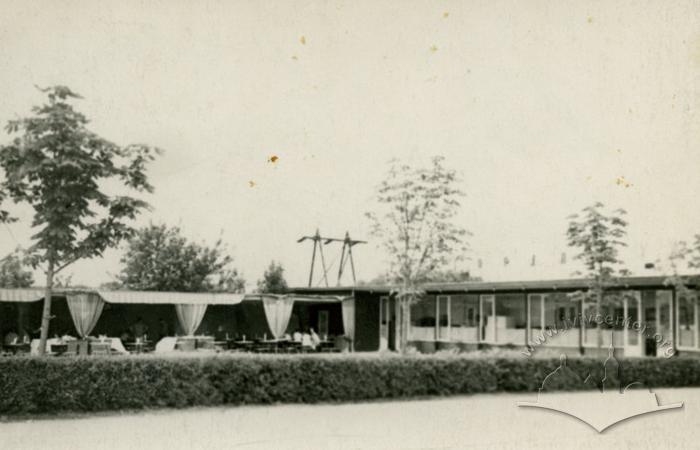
157,298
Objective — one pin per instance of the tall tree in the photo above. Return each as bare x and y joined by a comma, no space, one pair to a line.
415,221
159,258
273,281
59,167
14,273
598,235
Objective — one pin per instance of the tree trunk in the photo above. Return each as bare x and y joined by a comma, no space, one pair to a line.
405,305
599,329
46,315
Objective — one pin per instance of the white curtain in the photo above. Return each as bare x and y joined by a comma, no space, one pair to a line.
85,309
349,318
278,311
190,316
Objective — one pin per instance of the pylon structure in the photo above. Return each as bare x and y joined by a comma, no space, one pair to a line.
345,255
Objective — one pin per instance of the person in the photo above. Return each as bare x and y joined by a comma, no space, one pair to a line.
139,329
296,337
315,340
163,328
220,334
11,337
125,336
306,342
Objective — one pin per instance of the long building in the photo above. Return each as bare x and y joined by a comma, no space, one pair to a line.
644,316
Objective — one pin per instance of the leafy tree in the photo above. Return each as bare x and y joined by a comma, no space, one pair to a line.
415,222
59,167
159,258
13,272
273,281
598,235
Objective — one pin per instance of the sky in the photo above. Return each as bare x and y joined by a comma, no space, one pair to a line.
543,107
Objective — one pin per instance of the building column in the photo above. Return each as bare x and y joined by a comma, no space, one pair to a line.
528,318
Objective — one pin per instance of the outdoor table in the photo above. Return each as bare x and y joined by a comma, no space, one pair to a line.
204,341
59,349
137,347
243,345
20,347
221,345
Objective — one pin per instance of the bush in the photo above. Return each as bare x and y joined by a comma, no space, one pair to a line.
51,385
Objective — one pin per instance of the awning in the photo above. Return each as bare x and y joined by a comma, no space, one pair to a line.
161,298
21,295
298,298
170,298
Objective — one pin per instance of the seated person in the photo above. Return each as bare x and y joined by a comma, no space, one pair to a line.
163,329
139,329
315,340
125,336
11,338
306,341
296,337
220,334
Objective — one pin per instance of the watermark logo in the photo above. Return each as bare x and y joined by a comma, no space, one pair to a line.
664,346
607,404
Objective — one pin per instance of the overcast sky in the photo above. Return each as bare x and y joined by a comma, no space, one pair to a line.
542,108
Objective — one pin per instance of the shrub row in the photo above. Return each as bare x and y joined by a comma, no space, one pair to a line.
51,385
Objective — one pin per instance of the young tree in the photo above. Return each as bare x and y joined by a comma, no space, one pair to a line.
13,272
159,258
415,223
58,167
273,281
598,235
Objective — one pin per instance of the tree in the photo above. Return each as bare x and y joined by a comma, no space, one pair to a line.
415,223
13,272
159,258
598,235
59,167
273,281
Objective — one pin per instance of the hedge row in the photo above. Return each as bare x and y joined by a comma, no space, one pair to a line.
51,385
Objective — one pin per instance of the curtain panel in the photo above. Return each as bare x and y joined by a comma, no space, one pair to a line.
278,311
190,316
85,309
348,306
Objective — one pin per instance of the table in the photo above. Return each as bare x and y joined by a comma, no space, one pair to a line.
138,347
242,345
20,347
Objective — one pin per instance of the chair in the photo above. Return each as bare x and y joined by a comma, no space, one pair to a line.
59,349
71,348
100,349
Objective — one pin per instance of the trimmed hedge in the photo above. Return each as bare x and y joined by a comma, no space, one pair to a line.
51,385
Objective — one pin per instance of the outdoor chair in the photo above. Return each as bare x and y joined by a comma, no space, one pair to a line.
71,348
100,349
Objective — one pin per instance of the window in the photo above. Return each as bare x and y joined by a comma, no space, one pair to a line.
511,319
686,321
464,318
423,319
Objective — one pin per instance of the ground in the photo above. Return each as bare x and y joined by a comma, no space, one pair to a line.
479,422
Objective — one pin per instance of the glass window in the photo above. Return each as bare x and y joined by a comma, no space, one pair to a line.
464,316
423,319
511,319
686,321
